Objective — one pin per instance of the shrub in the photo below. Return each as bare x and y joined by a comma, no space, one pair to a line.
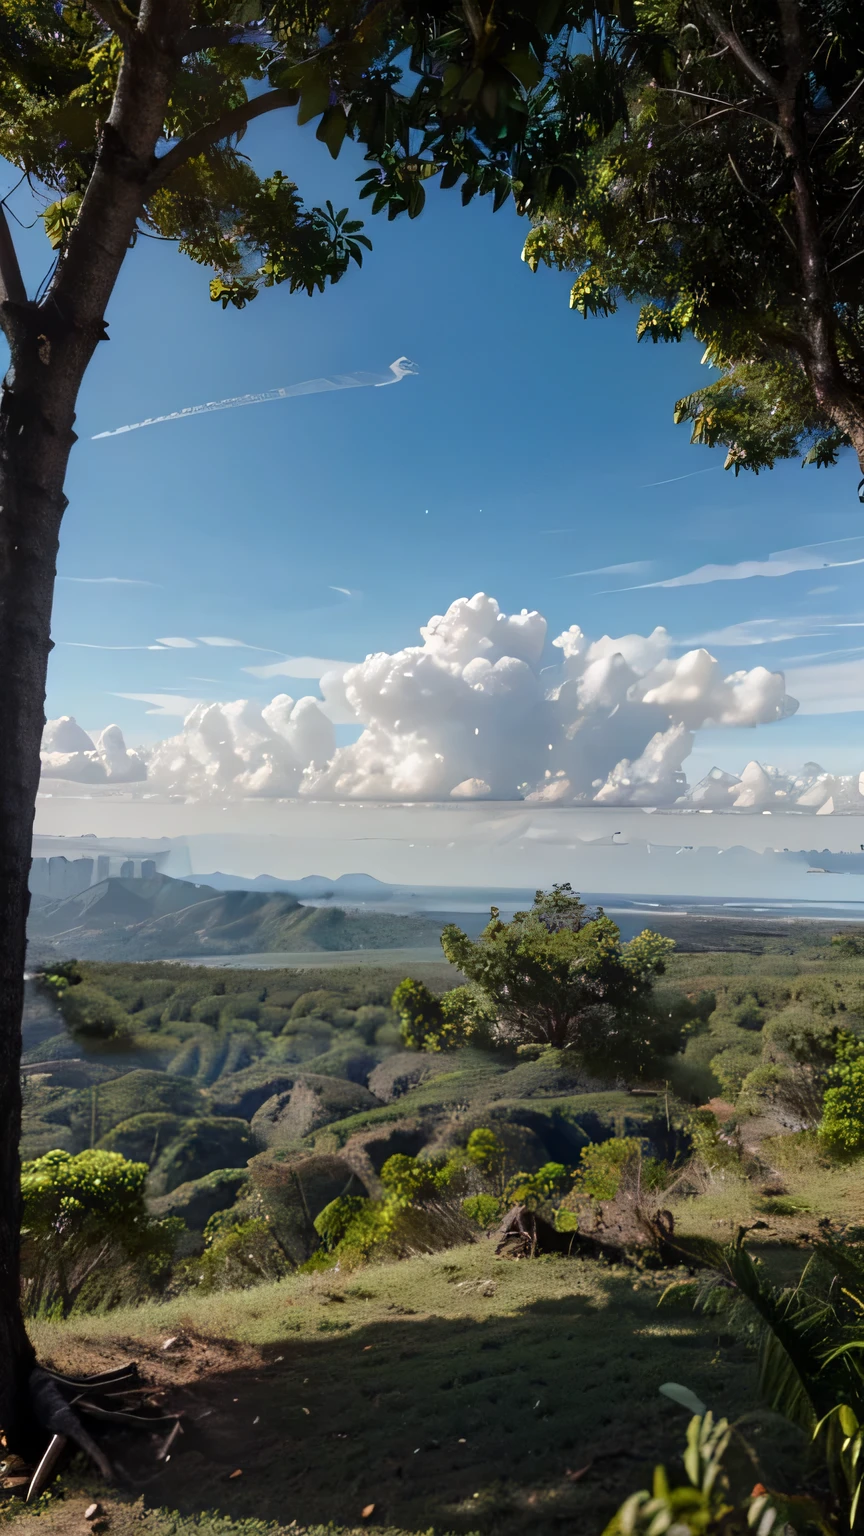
91,1013
732,1065
601,1165
537,1189
430,1023
484,1210
63,975
237,1255
407,1180
488,1153
83,1216
842,1128
333,1223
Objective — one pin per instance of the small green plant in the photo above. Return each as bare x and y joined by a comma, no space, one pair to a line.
63,975
486,1152
705,1504
538,1189
483,1210
601,1165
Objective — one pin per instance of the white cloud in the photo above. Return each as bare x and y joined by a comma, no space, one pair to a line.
177,642
785,562
240,749
69,753
300,666
163,703
84,645
471,712
109,581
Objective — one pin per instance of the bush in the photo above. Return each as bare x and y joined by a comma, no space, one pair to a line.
238,1254
84,1217
484,1210
601,1165
842,1128
537,1189
732,1065
488,1153
92,1013
430,1023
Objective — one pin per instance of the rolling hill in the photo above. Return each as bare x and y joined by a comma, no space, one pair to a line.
160,918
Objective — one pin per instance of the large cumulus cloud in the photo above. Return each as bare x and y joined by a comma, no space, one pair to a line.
471,712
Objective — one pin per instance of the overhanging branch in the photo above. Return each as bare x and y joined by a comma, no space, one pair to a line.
727,35
114,16
228,124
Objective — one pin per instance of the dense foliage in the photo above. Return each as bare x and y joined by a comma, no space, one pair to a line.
84,1215
716,156
461,108
556,976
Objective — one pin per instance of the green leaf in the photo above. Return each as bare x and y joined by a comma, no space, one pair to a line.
332,129
314,96
683,1396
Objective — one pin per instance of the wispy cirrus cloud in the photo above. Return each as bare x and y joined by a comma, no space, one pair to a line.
170,704
110,581
774,631
223,642
784,562
300,666
629,568
837,688
85,645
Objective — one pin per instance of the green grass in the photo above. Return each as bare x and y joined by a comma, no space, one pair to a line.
453,1391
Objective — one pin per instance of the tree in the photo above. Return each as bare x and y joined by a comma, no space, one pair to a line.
125,117
569,986
715,156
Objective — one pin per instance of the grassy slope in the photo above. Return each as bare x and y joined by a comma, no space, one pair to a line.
441,1399
456,1391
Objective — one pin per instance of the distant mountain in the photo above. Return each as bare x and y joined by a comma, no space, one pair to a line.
316,887
162,919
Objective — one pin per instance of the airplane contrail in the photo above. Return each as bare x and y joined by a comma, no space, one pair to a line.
399,370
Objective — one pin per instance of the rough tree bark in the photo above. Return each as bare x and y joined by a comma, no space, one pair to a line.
51,344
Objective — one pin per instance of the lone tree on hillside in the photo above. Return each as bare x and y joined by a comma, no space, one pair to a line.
124,117
558,975
715,155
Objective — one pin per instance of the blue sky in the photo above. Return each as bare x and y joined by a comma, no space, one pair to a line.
526,449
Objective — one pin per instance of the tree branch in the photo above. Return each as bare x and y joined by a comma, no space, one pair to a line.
112,16
12,290
229,123
729,37
199,39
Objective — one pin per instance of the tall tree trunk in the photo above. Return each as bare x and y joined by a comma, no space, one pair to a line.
36,416
51,345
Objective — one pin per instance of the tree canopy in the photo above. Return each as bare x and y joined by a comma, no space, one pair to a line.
426,90
569,984
714,172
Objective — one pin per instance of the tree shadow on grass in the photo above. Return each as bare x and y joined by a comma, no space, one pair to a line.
465,1423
